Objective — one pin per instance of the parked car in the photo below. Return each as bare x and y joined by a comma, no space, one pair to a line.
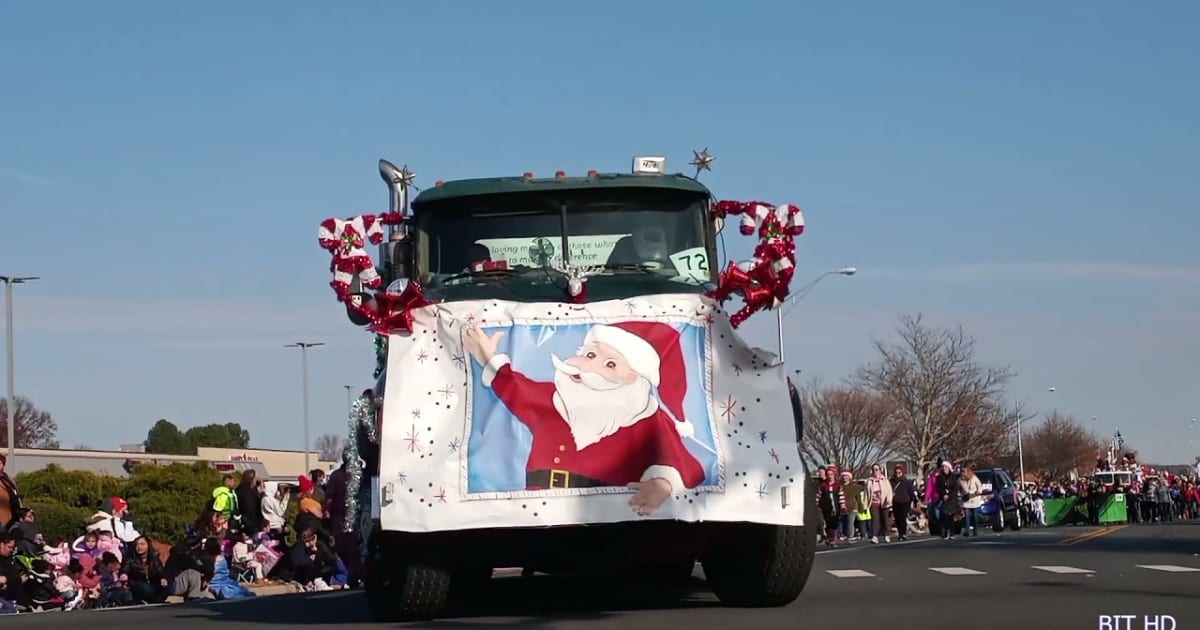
1001,506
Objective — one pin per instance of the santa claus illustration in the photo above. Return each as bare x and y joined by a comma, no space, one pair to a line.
599,423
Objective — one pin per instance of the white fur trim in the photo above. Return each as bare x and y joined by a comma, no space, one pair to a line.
641,356
666,472
686,429
493,366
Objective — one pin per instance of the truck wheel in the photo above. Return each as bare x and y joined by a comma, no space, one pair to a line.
764,565
397,591
998,520
1015,523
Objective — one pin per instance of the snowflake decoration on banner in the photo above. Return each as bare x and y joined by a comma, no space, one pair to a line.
470,320
631,305
441,495
774,455
761,491
413,439
422,356
454,444
447,392
416,414
403,478
762,437
737,370
459,360
728,409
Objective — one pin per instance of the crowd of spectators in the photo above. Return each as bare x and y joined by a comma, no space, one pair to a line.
241,538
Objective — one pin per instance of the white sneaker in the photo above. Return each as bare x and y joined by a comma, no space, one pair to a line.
887,539
874,540
320,584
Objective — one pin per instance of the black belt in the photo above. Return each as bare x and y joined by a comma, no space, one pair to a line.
561,479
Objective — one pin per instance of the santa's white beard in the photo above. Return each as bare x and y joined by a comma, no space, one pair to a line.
595,407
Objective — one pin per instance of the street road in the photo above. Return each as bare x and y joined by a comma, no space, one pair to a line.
1057,578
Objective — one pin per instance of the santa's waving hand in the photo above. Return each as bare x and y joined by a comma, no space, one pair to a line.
599,422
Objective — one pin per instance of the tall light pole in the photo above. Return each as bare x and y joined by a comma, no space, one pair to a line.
304,346
11,413
799,295
349,399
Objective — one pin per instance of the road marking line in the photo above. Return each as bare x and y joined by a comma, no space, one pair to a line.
1061,569
1169,568
956,571
849,573
1093,535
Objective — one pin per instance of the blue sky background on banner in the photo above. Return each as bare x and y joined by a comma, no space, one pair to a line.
1025,168
499,444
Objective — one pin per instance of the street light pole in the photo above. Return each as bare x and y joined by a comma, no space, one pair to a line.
11,408
304,346
349,399
1020,453
780,313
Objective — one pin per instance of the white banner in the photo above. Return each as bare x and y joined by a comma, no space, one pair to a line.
504,414
590,250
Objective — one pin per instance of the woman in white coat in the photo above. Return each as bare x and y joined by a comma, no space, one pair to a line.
971,491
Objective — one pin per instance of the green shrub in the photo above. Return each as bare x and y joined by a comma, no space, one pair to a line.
58,519
163,500
73,488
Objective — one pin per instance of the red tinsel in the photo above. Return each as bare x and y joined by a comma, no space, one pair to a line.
764,281
489,265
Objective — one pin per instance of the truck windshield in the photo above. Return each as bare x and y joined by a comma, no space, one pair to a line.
509,246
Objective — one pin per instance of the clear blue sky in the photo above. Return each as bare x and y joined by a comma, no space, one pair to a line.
1026,170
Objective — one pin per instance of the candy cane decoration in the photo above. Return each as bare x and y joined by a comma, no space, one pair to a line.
346,240
765,280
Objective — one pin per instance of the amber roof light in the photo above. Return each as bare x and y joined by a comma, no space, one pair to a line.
527,175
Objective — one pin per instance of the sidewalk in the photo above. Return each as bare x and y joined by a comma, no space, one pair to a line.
261,591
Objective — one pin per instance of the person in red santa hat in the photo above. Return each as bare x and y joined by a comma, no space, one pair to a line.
599,422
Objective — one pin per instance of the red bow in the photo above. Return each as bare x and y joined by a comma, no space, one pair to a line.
394,310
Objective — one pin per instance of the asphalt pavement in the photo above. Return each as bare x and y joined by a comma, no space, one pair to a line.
1051,578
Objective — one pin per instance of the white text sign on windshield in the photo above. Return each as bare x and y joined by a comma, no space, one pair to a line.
592,250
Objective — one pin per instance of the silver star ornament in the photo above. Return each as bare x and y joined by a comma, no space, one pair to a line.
702,160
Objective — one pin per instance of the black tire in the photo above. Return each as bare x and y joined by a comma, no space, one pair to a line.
397,591
1015,523
765,566
998,521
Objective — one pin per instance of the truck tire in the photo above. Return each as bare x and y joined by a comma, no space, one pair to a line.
765,565
398,591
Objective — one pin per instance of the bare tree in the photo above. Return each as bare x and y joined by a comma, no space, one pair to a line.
847,426
32,428
943,399
329,447
1060,445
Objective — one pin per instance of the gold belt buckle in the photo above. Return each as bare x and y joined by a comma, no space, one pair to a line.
560,474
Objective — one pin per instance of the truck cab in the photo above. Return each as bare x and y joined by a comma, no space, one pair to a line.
512,273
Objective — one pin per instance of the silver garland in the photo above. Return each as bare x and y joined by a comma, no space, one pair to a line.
361,424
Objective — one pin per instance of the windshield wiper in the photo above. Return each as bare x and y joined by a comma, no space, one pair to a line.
490,273
643,268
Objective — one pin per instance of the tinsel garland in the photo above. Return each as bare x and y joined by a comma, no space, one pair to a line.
361,424
381,347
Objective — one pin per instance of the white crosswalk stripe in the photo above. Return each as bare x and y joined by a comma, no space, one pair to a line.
1169,568
849,573
1062,569
956,571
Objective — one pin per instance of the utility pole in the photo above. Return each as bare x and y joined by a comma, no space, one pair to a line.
304,346
11,413
349,399
799,295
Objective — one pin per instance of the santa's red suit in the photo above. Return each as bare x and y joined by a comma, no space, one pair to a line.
652,447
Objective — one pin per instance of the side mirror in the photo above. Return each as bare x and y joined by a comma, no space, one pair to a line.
398,258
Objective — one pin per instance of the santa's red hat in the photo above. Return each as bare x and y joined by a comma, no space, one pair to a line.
652,350
306,484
